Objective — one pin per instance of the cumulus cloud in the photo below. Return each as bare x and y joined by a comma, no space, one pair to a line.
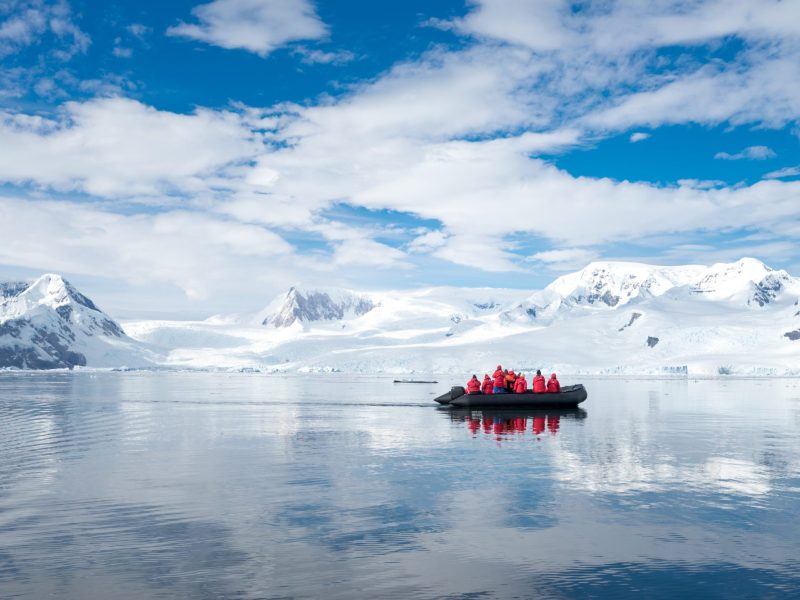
749,153
120,147
462,138
192,251
259,26
607,52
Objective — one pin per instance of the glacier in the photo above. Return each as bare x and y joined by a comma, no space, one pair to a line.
609,318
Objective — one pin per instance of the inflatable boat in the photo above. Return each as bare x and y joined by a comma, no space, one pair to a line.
569,396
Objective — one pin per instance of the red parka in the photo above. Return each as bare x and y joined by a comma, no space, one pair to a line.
500,380
473,386
520,385
539,386
487,385
553,385
497,371
511,377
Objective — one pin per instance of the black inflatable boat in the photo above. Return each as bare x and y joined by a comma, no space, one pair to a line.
569,396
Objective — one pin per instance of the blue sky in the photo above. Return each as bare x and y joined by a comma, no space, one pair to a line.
200,157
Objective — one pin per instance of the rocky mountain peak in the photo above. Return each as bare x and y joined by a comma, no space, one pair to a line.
318,305
9,289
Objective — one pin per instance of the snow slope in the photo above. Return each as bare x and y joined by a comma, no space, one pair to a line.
610,317
49,324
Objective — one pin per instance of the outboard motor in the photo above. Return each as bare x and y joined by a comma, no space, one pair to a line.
456,391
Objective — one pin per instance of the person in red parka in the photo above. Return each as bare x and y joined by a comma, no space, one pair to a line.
486,388
473,385
499,383
553,386
520,385
497,371
539,386
511,377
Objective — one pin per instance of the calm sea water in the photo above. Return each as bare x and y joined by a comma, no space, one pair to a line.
193,485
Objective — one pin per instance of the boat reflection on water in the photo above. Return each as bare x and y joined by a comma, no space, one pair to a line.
506,422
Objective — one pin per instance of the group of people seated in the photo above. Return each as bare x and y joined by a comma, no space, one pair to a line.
505,381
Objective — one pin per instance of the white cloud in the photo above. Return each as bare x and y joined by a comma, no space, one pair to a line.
564,258
454,137
314,56
538,24
597,54
138,30
785,172
259,26
122,52
709,254
119,147
428,241
22,29
367,252
193,251
626,25
749,153
755,92
490,189
486,253
442,95
27,22
701,184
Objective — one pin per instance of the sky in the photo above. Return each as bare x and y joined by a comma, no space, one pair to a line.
186,159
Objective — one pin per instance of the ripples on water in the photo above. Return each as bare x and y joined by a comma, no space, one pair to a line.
193,485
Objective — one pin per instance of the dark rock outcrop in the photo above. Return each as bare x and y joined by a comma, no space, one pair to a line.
634,316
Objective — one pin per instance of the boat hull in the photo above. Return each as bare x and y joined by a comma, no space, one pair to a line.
570,396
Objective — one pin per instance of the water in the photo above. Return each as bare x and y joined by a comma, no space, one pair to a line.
192,485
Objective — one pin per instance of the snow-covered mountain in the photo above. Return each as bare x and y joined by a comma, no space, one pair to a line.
11,288
747,281
49,324
610,317
614,285
307,306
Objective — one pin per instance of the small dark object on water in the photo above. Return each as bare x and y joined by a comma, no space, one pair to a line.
651,341
413,381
